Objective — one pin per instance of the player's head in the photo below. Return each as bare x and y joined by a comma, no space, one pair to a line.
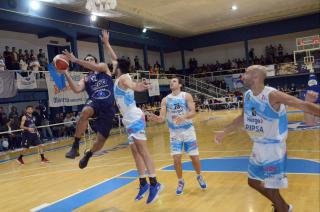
122,67
29,109
175,83
254,75
90,58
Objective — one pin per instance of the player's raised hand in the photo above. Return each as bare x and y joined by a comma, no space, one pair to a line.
146,85
219,136
105,37
69,55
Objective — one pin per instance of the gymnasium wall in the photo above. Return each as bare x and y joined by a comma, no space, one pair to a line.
173,59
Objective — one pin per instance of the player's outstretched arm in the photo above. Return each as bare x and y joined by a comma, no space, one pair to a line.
99,67
75,88
128,83
278,97
163,111
235,124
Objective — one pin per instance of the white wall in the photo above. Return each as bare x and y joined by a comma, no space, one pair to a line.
288,41
26,41
173,59
29,41
222,53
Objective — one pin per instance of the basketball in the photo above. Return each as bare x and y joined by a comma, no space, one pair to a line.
61,62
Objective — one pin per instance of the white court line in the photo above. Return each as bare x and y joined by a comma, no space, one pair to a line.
39,207
89,187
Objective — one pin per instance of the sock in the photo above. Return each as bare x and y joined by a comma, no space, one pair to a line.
42,156
153,181
20,157
89,154
76,143
198,175
143,181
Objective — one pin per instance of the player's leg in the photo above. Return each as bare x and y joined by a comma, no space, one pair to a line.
273,195
155,187
82,125
25,146
143,184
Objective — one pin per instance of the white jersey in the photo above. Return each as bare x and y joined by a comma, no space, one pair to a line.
127,104
177,106
264,124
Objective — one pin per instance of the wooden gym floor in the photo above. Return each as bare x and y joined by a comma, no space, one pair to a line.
34,185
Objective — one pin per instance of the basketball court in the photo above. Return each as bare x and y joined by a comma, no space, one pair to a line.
109,183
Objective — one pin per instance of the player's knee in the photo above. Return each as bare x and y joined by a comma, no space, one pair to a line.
85,115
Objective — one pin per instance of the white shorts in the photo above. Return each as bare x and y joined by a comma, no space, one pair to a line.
267,163
184,140
135,129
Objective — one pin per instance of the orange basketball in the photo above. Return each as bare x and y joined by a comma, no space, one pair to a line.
61,62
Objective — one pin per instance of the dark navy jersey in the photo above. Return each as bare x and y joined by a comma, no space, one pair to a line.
30,121
99,87
313,85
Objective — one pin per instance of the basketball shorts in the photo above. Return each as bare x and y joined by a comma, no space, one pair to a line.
267,163
135,129
30,139
184,140
104,115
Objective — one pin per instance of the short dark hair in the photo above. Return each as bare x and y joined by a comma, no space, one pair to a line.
29,107
90,55
123,65
178,78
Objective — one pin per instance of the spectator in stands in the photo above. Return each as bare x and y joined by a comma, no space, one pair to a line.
23,65
20,55
58,129
41,58
7,58
3,116
136,63
26,56
35,66
280,50
156,68
15,61
251,55
14,115
2,64
31,55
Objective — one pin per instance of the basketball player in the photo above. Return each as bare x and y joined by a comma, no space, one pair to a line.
30,135
99,86
134,122
265,119
178,108
313,96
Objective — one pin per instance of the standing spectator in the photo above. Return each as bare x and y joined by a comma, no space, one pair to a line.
280,50
3,116
7,58
2,64
14,115
136,63
57,130
46,131
20,55
35,66
251,55
15,61
23,65
26,56
31,55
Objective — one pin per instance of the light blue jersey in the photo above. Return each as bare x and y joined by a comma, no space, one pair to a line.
133,117
268,129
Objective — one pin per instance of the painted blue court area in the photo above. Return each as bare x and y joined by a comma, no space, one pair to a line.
92,193
240,164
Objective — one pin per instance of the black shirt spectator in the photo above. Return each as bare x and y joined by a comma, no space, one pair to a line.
8,58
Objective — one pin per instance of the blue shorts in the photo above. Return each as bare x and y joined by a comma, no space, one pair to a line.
104,115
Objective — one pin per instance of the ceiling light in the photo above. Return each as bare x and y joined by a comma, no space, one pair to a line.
93,18
34,5
234,7
144,30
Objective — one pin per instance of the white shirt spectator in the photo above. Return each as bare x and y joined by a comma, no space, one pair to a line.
2,64
23,65
35,65
68,119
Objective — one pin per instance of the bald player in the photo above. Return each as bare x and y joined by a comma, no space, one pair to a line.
264,117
